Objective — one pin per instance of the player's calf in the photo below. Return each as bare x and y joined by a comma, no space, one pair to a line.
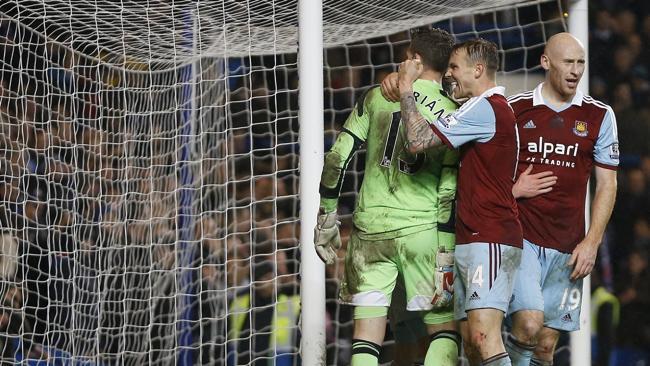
484,327
369,331
444,344
521,343
520,352
365,353
547,340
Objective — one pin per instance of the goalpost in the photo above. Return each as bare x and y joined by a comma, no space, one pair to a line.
160,165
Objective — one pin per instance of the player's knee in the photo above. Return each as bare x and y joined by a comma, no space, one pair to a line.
545,348
526,330
478,340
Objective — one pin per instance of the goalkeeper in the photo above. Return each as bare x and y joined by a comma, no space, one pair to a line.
403,220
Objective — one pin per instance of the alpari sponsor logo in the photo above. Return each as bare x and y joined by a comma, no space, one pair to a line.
557,149
546,148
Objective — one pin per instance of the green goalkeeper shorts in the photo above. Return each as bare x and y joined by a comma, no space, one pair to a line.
372,267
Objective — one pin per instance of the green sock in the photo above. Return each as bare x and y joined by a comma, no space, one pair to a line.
443,349
364,353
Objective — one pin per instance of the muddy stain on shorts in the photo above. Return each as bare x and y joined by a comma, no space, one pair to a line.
361,254
510,261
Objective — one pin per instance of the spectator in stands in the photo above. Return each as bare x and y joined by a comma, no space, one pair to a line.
605,316
15,329
633,201
269,330
634,295
214,311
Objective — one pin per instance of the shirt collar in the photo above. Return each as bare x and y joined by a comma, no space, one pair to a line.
494,90
538,99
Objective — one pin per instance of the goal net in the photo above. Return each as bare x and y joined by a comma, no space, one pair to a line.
149,168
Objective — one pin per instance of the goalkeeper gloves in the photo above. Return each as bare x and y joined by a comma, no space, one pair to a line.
443,279
326,236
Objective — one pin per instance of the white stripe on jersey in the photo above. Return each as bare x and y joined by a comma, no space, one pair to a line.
598,103
467,106
517,97
514,176
608,109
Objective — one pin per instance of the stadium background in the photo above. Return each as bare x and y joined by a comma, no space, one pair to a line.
67,192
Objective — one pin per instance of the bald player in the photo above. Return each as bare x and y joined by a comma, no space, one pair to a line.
570,134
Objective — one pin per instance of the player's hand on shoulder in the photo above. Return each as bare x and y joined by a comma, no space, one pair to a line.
583,259
390,88
409,71
530,185
327,238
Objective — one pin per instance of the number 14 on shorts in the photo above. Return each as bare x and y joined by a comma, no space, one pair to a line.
477,277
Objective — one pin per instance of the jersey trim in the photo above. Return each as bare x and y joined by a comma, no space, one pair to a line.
441,136
607,108
514,174
520,96
538,98
361,101
606,166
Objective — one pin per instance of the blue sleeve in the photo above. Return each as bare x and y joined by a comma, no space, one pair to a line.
606,149
474,121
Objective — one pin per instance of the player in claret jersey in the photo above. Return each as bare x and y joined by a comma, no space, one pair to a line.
488,232
402,210
571,134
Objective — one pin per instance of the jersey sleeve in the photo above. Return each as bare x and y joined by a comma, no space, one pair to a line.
474,121
353,135
606,149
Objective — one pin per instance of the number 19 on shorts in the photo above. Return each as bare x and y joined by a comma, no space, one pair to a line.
572,296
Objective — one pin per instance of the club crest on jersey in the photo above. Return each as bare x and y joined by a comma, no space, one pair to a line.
580,129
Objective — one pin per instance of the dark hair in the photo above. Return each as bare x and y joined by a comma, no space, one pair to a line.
434,47
481,51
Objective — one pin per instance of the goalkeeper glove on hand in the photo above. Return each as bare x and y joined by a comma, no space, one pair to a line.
443,280
326,236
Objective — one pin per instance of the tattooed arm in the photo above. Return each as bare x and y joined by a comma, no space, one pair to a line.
419,135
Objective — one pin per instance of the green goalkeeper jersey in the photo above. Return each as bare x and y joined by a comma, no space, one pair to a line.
401,193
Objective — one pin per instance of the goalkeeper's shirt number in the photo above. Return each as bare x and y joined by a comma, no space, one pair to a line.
389,149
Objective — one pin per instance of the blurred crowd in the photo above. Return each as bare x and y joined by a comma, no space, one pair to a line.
619,69
119,231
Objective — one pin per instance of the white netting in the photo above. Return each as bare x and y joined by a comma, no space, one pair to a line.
149,168
156,30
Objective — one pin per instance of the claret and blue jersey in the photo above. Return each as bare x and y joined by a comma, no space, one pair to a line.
568,140
484,129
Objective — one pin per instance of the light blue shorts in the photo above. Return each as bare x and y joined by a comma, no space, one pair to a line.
543,284
484,275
